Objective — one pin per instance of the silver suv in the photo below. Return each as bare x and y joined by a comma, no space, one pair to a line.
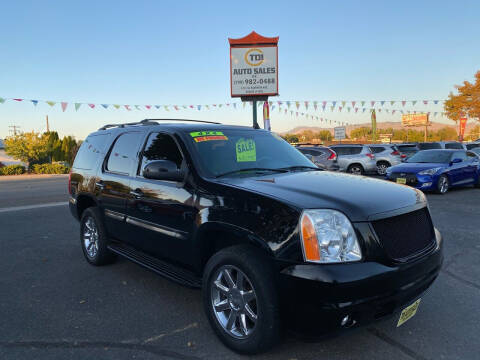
355,159
386,155
321,156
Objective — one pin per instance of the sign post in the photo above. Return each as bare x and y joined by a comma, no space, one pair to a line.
463,125
254,69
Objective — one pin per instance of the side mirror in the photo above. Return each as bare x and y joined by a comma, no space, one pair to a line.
163,170
455,161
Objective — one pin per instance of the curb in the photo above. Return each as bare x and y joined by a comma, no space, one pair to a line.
31,176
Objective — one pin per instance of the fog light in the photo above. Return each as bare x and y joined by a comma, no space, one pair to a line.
427,184
345,320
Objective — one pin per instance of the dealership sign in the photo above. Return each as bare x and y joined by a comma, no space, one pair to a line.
415,119
339,132
253,66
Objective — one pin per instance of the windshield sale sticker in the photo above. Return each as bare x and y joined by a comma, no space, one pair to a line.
200,136
246,151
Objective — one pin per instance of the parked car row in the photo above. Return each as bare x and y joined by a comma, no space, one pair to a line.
435,166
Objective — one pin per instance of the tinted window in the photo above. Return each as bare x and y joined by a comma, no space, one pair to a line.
123,153
472,146
428,146
453,146
161,147
89,152
431,156
407,148
354,150
340,150
377,149
306,151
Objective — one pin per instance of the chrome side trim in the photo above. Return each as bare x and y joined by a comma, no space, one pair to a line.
157,228
115,215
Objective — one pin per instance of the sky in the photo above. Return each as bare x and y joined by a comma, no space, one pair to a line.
177,52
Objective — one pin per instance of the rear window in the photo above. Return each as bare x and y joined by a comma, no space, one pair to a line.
89,152
407,148
429,146
377,149
347,150
472,146
453,146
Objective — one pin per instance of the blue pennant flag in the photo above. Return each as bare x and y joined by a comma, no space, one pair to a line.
158,106
199,107
105,106
435,102
35,102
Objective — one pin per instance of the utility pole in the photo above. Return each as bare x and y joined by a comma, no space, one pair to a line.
13,129
48,128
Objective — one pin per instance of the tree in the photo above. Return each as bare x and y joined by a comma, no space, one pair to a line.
467,100
325,135
28,147
291,138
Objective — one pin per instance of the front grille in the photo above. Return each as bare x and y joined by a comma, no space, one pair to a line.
411,178
405,236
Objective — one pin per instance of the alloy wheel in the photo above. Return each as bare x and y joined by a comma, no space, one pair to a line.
382,169
443,184
356,170
234,301
90,237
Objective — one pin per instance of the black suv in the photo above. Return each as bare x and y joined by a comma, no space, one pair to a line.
273,241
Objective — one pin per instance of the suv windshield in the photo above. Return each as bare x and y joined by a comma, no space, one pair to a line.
431,156
428,146
233,151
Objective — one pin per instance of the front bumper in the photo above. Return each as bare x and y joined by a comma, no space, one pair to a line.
421,182
315,298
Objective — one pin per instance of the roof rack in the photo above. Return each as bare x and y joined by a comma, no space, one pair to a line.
152,122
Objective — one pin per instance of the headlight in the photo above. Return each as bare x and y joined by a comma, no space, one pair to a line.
429,171
328,237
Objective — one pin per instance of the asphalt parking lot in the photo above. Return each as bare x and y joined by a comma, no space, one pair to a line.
53,305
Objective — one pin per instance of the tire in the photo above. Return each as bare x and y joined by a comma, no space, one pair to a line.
443,184
93,238
382,167
258,276
356,169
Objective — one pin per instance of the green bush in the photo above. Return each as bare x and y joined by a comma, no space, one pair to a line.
50,169
12,170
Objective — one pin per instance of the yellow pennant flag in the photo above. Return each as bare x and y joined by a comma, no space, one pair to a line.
51,103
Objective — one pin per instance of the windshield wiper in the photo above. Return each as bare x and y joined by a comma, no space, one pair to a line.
300,167
250,169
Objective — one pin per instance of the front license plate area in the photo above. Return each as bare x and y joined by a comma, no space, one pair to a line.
408,312
401,181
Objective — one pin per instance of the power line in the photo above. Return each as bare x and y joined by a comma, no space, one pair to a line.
14,129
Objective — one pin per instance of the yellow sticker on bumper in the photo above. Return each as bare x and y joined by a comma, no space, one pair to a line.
408,312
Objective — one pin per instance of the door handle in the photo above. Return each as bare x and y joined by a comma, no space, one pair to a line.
100,185
137,194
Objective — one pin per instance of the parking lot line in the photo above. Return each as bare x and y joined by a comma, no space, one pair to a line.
35,206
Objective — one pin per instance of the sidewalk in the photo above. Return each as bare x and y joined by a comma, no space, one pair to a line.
31,176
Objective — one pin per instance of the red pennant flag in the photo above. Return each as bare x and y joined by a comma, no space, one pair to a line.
353,103
175,107
18,99
191,106
64,106
148,106
425,102
127,107
403,103
356,109
324,103
92,106
340,108
372,103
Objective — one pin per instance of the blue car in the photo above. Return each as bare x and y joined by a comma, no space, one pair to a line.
437,170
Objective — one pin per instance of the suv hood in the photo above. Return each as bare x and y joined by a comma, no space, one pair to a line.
358,197
415,167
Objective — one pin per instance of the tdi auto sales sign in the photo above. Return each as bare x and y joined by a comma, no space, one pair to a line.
253,66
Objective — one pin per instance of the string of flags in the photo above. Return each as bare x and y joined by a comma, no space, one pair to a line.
297,105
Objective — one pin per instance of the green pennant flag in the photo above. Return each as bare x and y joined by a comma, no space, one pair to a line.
2,100
392,102
374,124
77,106
51,103
363,103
